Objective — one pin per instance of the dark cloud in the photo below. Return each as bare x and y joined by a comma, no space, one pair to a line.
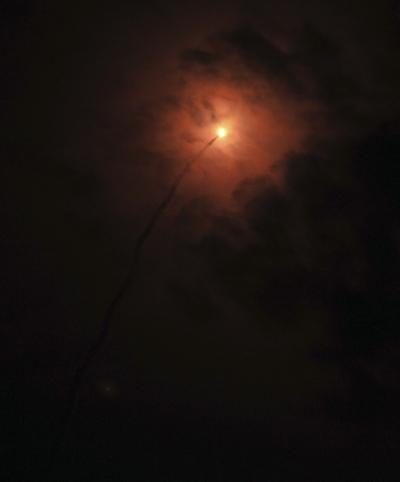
196,56
311,65
259,53
326,252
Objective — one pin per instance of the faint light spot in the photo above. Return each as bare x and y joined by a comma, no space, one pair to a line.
107,388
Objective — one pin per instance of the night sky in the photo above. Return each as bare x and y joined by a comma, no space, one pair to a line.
259,337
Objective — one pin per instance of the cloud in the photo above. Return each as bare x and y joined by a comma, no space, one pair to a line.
324,254
317,251
194,57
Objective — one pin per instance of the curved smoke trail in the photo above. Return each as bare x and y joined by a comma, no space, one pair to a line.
104,332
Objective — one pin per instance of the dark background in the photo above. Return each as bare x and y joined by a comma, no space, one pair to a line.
260,339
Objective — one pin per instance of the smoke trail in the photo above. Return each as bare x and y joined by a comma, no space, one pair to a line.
90,355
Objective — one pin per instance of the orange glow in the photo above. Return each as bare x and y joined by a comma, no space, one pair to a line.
254,128
221,132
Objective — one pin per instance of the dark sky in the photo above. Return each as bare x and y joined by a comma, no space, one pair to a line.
260,337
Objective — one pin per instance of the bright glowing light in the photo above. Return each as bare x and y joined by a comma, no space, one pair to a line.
221,132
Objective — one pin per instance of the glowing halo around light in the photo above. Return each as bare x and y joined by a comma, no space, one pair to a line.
221,132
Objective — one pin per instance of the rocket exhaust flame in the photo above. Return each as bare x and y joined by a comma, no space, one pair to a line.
221,132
